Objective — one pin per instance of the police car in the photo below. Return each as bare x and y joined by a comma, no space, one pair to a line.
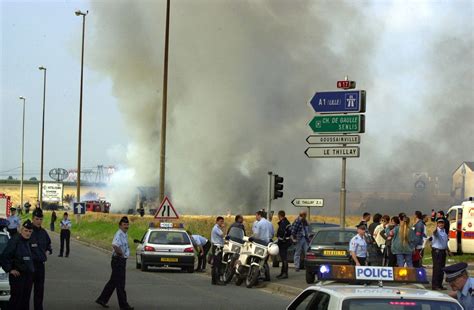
365,297
167,245
4,283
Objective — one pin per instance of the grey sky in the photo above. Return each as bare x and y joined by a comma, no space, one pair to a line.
241,74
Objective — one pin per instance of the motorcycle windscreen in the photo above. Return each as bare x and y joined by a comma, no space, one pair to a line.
236,234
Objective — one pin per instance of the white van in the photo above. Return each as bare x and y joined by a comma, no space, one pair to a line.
461,227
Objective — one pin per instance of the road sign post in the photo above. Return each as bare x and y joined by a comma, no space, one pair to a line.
308,203
325,104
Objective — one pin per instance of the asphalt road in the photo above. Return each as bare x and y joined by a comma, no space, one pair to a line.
75,282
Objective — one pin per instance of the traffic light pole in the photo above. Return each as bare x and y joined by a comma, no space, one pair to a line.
270,194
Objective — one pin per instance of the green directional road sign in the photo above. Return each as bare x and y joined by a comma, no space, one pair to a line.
338,123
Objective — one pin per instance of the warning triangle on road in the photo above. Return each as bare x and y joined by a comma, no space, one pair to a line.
166,211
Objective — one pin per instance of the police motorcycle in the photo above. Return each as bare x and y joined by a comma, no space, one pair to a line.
231,251
251,261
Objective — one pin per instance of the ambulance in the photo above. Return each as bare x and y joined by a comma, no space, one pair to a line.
461,227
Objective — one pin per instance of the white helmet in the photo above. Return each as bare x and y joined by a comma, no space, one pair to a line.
273,249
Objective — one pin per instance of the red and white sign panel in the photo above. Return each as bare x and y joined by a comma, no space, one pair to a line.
166,211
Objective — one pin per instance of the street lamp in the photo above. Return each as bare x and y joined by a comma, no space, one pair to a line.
22,152
79,143
42,137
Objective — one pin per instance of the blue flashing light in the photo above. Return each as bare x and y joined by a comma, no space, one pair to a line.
324,272
421,275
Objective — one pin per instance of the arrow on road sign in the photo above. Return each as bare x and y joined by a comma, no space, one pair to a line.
166,210
308,202
332,152
339,101
79,208
340,139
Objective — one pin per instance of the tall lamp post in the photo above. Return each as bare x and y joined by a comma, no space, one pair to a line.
22,152
42,137
79,143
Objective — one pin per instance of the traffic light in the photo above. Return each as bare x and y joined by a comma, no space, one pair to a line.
278,187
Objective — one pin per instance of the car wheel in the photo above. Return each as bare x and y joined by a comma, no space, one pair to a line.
144,266
310,277
138,265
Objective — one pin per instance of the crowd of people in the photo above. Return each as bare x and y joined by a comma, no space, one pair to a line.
400,241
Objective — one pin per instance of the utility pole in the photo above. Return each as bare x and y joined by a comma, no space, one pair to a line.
42,137
164,106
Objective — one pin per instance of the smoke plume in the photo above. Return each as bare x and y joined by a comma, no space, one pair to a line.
242,72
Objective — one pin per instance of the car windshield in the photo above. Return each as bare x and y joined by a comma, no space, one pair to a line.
315,227
333,237
398,304
169,237
3,242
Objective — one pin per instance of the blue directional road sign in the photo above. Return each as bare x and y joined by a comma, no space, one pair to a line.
79,208
339,101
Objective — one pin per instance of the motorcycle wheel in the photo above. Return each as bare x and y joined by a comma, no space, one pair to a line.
252,276
229,271
239,280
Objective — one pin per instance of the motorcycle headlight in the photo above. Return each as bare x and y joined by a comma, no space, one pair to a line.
235,249
259,251
3,276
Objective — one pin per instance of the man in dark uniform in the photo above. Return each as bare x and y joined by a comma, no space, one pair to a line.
17,260
119,264
461,284
40,244
284,241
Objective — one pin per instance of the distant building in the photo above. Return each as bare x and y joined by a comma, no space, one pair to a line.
463,182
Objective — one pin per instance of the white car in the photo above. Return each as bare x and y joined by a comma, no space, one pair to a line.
165,247
4,283
359,297
363,296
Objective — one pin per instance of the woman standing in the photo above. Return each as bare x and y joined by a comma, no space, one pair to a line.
403,243
389,232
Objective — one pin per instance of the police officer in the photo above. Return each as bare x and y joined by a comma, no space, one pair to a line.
40,244
239,223
439,249
358,246
119,263
14,222
65,234
461,284
217,240
284,241
203,246
17,260
263,230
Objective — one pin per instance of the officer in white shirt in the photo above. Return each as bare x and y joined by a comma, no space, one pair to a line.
14,222
263,229
461,284
358,246
217,240
119,263
204,246
65,234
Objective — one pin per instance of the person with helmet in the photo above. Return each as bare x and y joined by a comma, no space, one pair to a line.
16,260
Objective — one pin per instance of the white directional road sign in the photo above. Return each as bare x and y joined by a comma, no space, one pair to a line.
339,139
308,202
332,152
79,208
